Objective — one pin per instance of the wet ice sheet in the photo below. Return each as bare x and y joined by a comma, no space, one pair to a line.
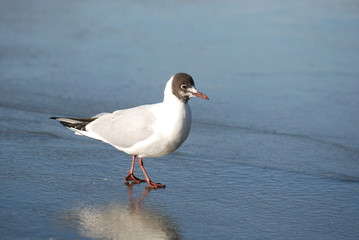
73,195
273,154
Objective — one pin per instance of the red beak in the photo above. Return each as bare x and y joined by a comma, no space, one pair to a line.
201,95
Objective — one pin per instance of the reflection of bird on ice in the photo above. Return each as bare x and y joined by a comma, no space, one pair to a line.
117,221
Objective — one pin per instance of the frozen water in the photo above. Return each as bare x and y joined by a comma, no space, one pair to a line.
273,155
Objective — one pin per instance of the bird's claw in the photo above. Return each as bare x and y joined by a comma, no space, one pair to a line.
132,178
153,185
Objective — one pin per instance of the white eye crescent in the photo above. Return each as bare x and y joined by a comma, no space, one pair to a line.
184,86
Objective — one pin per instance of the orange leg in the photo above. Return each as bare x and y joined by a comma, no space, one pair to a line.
148,180
130,176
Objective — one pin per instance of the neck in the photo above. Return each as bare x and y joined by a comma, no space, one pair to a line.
169,97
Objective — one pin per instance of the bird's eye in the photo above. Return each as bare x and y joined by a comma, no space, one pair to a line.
184,87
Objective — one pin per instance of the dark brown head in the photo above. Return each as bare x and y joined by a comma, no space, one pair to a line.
183,87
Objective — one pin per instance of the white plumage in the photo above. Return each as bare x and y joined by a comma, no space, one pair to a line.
152,130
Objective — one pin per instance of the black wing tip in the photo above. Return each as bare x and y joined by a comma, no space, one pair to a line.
66,124
79,125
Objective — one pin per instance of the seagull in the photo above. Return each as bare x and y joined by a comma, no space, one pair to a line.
151,130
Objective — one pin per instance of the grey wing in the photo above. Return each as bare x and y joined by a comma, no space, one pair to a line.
124,128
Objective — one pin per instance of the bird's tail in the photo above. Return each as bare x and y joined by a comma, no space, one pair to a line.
75,124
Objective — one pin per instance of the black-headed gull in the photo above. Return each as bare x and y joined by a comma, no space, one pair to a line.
152,130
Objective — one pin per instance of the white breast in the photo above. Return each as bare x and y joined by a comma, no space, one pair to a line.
170,129
170,125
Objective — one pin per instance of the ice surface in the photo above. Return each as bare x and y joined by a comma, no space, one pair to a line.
273,155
